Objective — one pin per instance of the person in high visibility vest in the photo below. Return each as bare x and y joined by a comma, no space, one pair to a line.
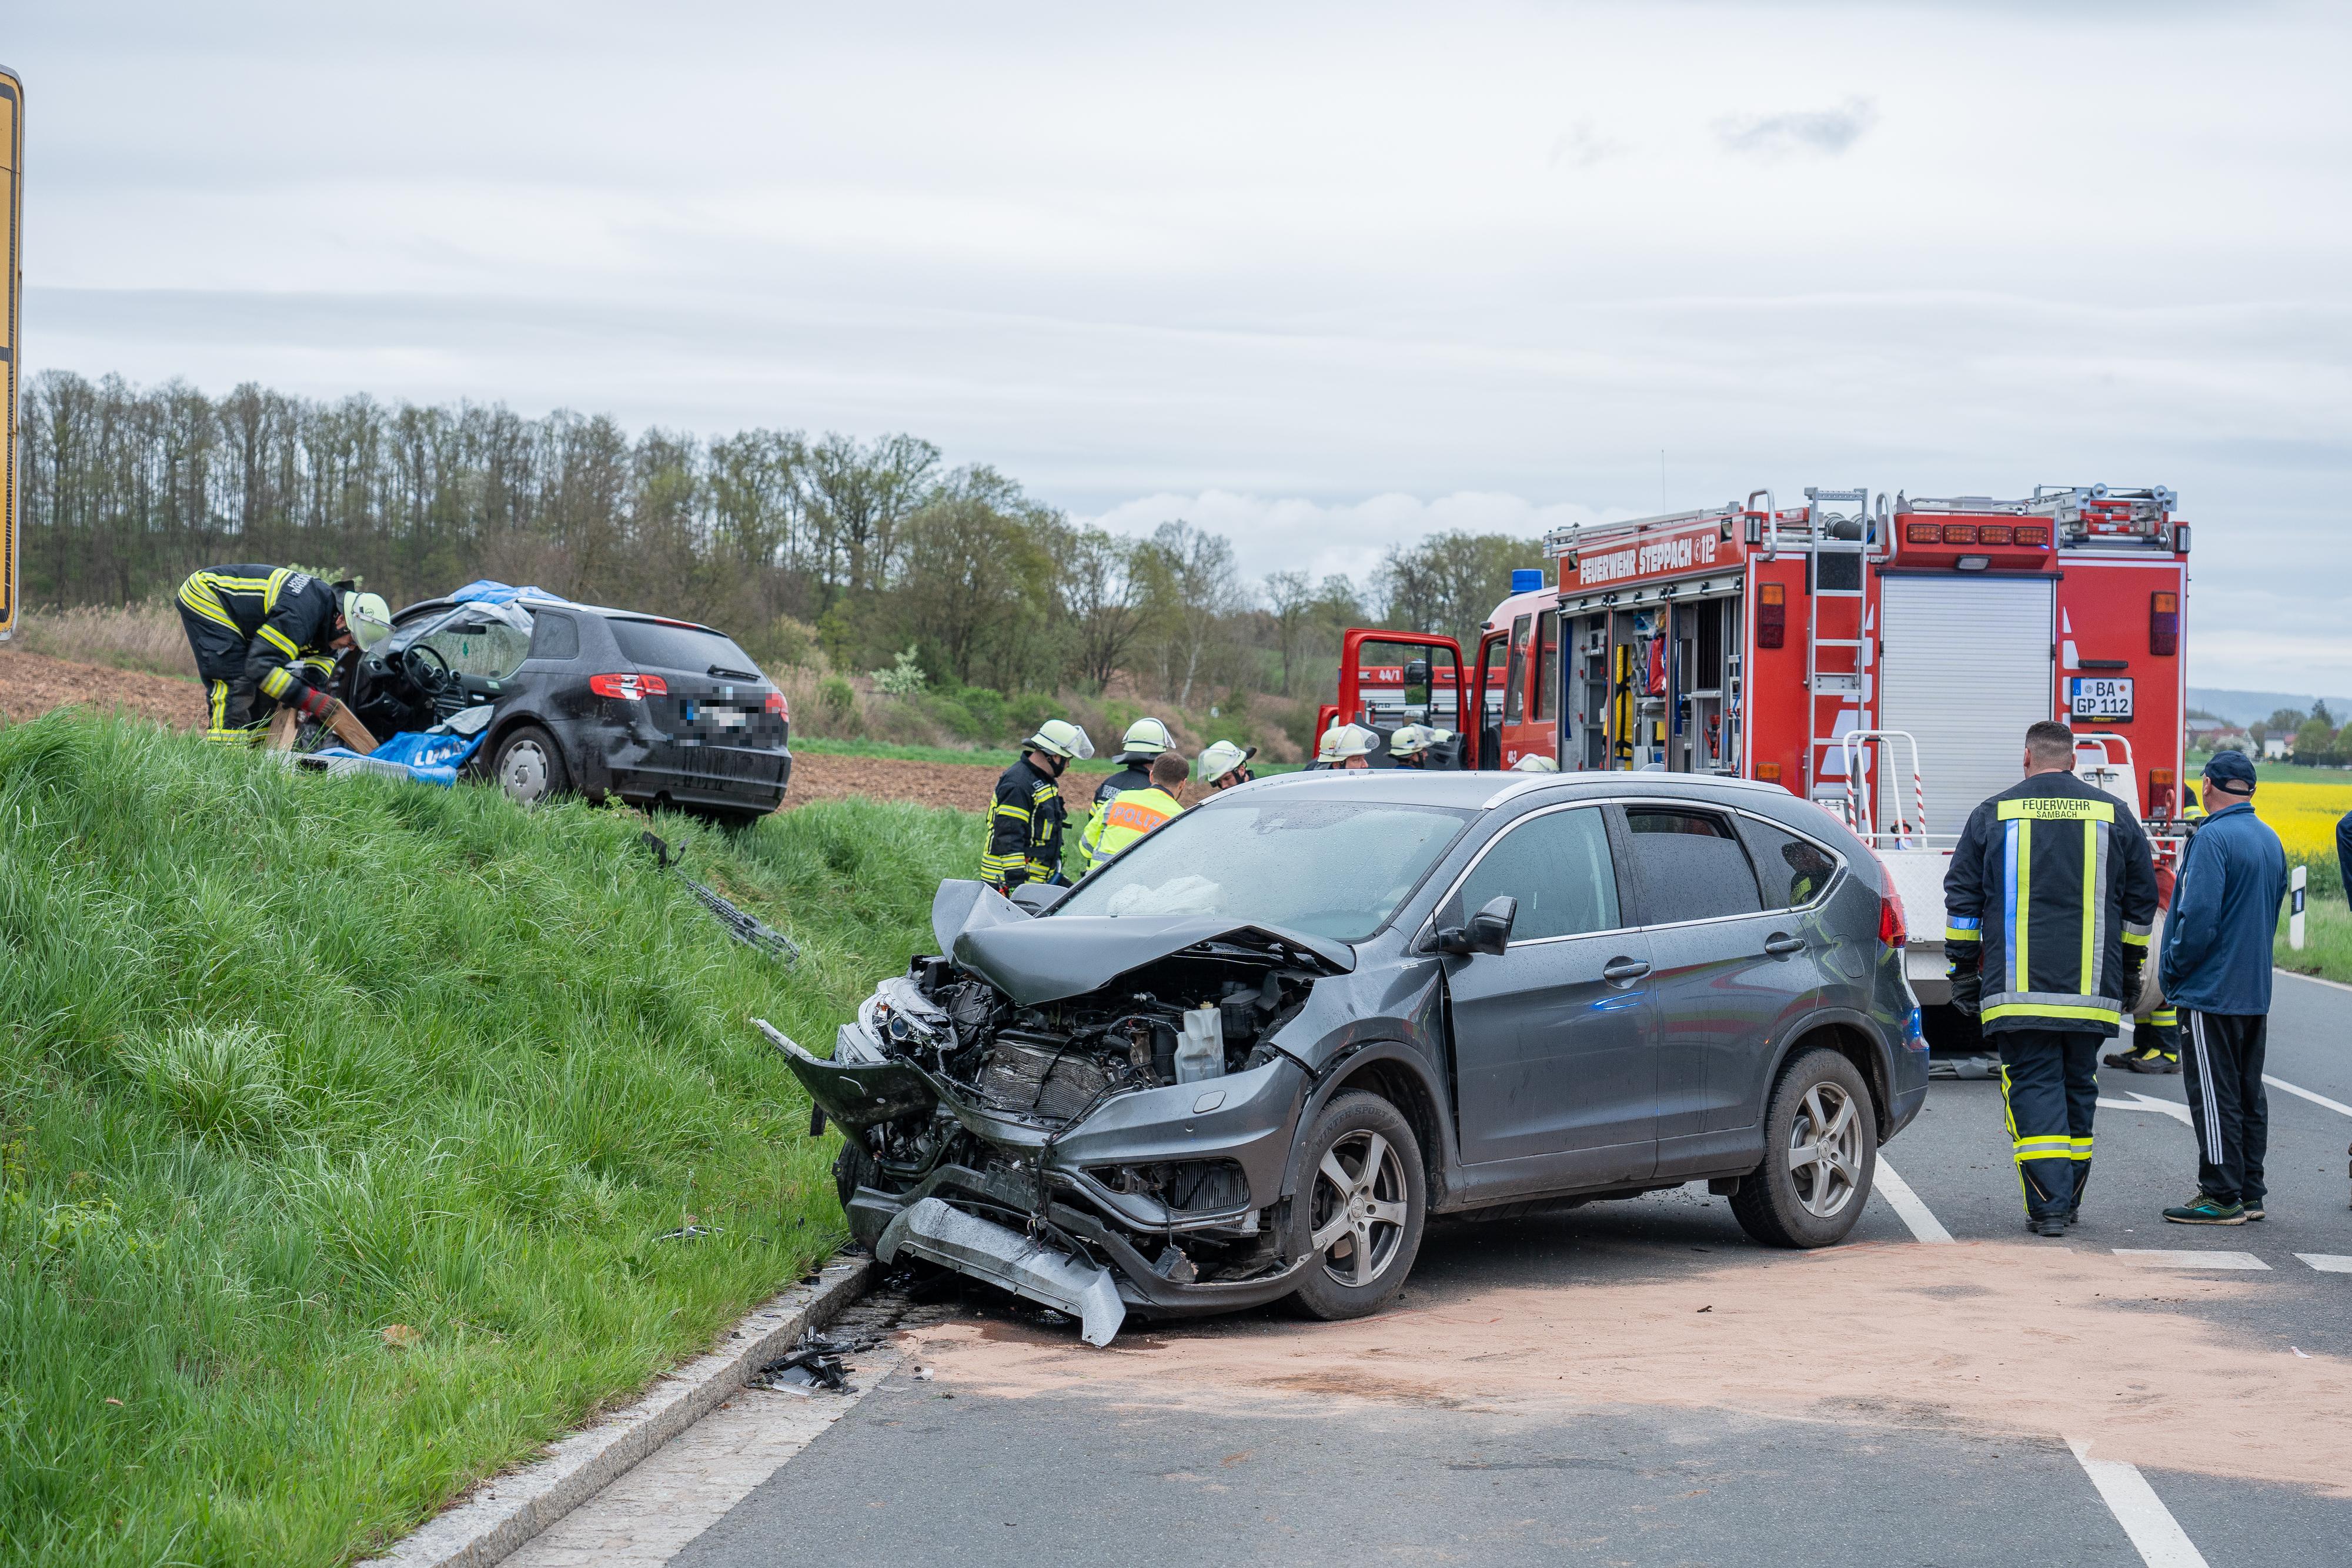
265,636
1131,813
2048,905
1145,739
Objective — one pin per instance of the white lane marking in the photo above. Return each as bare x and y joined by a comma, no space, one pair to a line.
2327,1262
2296,974
2183,1258
1905,1202
2155,1533
2139,1102
2337,1106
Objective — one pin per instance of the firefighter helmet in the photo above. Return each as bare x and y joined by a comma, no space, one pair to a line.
1412,739
1060,737
1146,738
1535,762
1343,741
1222,758
367,618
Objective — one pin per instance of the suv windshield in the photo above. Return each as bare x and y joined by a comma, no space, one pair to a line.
1327,868
668,647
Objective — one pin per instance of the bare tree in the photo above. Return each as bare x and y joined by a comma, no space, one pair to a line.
1105,595
1193,578
859,496
1292,598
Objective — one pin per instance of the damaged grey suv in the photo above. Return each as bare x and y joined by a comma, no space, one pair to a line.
1250,1057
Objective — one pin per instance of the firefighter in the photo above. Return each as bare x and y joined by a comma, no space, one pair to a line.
2156,1042
1131,813
267,636
1225,765
1411,743
1347,746
1535,762
1025,826
1145,739
2048,905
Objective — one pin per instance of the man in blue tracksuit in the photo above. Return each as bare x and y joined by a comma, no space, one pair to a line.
2216,968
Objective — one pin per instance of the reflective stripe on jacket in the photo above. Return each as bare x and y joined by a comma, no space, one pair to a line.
286,617
1125,817
1025,829
2051,880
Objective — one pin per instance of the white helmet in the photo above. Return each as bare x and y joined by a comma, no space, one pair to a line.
1222,758
1343,741
367,618
1535,762
1412,739
1146,738
1060,737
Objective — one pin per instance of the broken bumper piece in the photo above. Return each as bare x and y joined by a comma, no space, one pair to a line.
1004,1257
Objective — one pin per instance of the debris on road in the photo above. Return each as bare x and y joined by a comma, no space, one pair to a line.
817,1361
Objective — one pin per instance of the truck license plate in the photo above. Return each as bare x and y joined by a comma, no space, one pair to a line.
2100,697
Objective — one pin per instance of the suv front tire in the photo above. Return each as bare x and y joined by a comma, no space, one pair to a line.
1820,1153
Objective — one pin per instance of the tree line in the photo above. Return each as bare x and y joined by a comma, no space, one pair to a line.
873,553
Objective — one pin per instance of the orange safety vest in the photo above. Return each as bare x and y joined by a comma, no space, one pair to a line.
1125,817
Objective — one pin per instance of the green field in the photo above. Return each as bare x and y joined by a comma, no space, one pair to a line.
341,1123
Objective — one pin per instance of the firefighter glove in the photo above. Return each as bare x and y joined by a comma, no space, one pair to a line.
314,703
1967,983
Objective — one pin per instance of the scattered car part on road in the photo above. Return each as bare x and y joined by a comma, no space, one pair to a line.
748,929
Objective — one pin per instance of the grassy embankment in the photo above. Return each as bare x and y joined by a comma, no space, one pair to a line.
341,1120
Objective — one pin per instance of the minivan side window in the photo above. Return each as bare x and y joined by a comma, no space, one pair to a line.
1559,867
1689,865
554,635
1794,871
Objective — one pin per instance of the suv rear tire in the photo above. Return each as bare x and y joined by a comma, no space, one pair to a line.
1365,1194
1820,1153
529,767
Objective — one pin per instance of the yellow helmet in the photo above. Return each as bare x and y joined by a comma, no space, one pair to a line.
1147,737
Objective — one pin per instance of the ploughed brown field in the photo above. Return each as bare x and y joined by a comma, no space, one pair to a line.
31,683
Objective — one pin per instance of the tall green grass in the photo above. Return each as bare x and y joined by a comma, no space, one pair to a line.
341,1120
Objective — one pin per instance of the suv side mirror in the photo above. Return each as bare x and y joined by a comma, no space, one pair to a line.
1489,930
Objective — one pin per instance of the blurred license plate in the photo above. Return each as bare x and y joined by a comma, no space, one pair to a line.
2100,697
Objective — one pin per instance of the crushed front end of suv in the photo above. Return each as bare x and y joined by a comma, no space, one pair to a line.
1250,1057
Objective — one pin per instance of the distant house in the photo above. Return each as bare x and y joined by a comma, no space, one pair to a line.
2276,746
2205,728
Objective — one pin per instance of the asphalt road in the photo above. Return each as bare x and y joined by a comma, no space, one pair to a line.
1894,1401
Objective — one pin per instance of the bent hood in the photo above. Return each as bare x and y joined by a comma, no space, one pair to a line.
1038,960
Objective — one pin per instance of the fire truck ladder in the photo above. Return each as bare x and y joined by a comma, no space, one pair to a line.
1836,547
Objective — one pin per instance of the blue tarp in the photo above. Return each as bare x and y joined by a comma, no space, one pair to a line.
483,590
427,759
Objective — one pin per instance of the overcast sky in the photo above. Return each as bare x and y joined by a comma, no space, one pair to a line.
1320,278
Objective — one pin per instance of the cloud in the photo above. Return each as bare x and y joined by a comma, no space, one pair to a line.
1824,132
1582,145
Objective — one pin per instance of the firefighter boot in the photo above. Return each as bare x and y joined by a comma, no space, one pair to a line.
2155,1045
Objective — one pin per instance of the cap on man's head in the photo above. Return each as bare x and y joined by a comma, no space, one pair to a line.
2231,771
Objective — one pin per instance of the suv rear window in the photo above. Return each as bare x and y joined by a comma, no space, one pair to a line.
667,647
1690,865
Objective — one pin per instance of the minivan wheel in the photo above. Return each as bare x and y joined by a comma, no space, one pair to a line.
1821,1151
530,766
1357,1217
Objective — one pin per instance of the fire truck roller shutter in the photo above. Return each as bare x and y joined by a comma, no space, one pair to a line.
1964,664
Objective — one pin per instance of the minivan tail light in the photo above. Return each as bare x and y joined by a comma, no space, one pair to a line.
777,705
628,688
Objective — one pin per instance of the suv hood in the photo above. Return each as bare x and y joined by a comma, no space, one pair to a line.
1035,960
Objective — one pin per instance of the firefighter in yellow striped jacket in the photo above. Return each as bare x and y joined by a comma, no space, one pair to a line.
1025,823
1131,813
267,636
2047,909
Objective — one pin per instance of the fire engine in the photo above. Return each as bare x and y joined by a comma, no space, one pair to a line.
1883,660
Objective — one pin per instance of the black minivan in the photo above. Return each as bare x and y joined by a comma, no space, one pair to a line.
587,700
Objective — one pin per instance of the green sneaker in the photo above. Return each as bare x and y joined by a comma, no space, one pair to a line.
2206,1210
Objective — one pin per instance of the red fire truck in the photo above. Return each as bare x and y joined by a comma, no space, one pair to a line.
1883,660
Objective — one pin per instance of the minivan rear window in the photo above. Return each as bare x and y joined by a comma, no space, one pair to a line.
667,647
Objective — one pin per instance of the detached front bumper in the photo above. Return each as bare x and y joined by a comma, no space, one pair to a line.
1054,1207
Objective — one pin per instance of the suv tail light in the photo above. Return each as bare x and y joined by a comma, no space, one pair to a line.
1894,930
631,687
777,705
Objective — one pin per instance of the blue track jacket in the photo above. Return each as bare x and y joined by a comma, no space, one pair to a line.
2225,909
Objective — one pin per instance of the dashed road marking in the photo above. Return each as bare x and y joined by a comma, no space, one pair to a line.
2155,1534
2139,1102
2337,1106
2184,1257
2327,1262
1906,1202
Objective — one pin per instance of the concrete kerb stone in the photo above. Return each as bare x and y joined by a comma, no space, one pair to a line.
510,1510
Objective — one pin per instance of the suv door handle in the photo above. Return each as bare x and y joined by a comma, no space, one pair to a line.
1780,945
1623,971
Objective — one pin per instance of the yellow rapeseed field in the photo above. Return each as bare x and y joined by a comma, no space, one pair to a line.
2303,815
